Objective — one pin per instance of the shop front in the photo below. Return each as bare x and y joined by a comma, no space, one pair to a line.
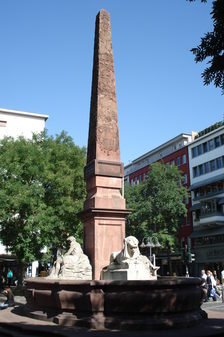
209,250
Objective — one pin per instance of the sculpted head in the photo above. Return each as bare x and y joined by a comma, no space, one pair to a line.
71,239
74,244
131,249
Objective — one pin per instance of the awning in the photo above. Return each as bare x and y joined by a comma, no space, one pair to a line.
207,232
195,207
208,181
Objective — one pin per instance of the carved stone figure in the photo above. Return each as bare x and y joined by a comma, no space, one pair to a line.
73,265
129,264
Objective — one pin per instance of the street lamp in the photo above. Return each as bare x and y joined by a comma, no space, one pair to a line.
151,242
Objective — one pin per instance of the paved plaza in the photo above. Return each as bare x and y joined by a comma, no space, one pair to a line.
14,323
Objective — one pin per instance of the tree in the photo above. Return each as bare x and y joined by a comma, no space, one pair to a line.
158,205
41,192
212,47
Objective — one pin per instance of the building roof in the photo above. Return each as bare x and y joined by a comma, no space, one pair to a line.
206,135
23,113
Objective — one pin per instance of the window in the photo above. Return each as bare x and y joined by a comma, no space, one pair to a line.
143,177
140,178
209,166
197,193
205,147
3,124
214,188
184,159
172,162
131,182
199,148
185,179
219,163
136,180
211,144
206,167
178,161
194,152
222,139
195,171
207,190
212,165
217,141
201,169
209,207
220,186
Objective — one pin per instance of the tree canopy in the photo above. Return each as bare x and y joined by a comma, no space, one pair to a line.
212,47
41,192
158,205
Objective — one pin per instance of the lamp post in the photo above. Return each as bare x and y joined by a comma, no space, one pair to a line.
151,242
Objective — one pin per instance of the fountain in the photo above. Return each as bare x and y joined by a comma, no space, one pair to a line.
128,295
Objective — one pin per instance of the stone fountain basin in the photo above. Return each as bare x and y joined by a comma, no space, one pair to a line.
164,303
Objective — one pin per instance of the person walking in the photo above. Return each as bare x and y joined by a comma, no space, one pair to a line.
211,283
204,277
9,277
222,276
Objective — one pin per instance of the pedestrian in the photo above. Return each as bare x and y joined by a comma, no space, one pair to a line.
204,278
222,276
9,277
9,299
216,277
211,283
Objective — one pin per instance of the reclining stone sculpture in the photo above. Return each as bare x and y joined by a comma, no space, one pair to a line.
74,264
129,264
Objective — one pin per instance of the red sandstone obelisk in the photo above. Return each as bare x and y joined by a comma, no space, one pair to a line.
104,209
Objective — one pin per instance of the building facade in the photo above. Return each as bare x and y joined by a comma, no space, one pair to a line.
206,161
200,157
19,123
174,152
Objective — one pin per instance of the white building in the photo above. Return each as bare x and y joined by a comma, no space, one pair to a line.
18,123
206,164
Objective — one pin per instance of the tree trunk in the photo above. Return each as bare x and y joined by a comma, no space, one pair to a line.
21,273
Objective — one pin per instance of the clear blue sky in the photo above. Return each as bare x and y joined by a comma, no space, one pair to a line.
46,67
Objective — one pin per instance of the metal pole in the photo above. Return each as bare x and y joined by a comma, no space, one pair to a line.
154,259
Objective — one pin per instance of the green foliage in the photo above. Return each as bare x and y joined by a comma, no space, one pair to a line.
212,47
41,192
158,205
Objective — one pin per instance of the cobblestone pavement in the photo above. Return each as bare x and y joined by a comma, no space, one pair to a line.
14,324
215,306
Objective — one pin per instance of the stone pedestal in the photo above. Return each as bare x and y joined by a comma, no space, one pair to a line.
104,231
134,272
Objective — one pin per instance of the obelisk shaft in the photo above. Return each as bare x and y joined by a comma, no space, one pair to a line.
103,140
104,209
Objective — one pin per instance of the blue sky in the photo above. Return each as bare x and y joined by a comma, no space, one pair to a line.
46,67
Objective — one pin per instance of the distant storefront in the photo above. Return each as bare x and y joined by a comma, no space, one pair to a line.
209,249
7,262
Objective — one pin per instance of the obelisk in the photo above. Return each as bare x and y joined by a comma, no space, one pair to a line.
104,209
